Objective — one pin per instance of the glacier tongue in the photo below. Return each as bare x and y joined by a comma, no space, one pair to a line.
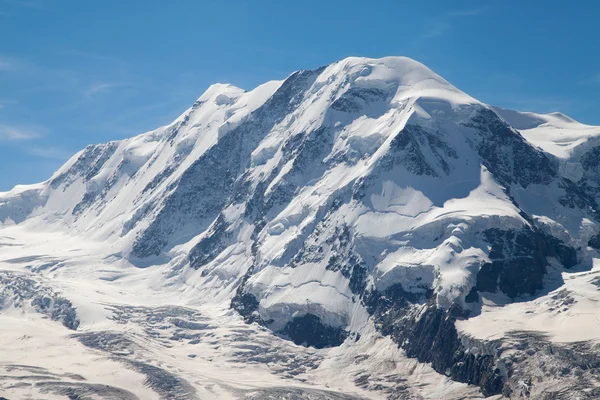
368,197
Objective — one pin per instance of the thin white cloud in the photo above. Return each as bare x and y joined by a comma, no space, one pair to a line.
20,133
472,12
592,79
437,30
36,4
90,56
26,137
79,85
13,64
48,152
445,23
5,103
5,65
523,102
103,87
79,82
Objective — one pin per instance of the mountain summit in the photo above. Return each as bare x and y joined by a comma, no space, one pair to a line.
363,206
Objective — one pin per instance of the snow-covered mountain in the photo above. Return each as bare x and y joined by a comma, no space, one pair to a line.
366,219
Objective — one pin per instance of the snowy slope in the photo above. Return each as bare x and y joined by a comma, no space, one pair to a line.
555,133
355,210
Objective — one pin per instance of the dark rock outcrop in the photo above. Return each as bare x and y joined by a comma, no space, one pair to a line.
430,336
309,330
519,260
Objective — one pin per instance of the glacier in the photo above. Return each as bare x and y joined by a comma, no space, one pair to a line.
362,230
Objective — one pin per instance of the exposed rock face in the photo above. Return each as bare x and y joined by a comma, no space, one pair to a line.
217,177
519,260
508,155
310,331
427,333
595,242
247,305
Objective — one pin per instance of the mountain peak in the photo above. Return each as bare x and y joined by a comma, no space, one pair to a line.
224,90
408,77
404,68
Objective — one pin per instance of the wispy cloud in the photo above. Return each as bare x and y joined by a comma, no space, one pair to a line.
78,86
36,4
5,65
6,103
8,8
90,88
446,22
26,138
48,152
104,87
438,29
283,52
90,56
13,64
20,133
525,102
472,12
590,80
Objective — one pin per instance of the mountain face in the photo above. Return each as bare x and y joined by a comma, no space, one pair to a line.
365,202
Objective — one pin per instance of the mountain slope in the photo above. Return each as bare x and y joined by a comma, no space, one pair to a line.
366,199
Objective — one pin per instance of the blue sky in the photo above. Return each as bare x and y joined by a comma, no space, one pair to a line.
77,72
